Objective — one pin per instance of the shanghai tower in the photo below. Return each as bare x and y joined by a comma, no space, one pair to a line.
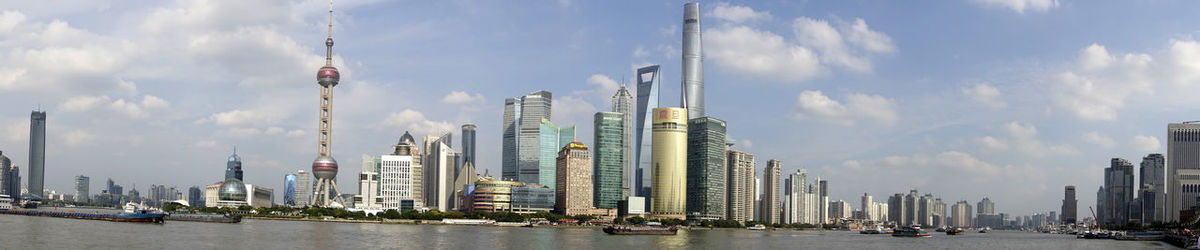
692,97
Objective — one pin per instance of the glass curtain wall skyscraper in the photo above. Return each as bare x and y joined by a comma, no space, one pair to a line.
468,144
289,190
649,79
522,136
692,97
37,152
706,168
622,103
608,159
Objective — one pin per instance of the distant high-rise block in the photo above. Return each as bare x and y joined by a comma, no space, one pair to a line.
551,139
771,197
439,161
649,79
303,192
573,195
468,144
622,103
10,178
706,168
37,152
195,196
669,186
532,144
1119,187
1068,206
289,190
509,161
82,184
608,160
740,186
1152,188
1183,168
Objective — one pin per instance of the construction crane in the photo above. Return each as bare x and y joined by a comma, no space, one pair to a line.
1096,219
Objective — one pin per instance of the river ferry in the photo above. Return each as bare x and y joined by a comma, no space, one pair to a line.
911,231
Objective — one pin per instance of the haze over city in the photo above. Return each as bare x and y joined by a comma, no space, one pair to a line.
1012,103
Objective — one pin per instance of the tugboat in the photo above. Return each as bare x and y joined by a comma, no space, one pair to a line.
640,230
955,231
910,231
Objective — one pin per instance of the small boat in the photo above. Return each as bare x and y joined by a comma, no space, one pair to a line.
940,230
955,231
1148,236
876,230
640,230
757,227
872,231
982,231
911,231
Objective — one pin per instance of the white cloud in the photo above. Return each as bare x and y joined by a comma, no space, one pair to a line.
572,108
277,131
760,53
640,52
1099,89
236,118
814,105
746,143
1023,138
738,14
129,109
1020,6
1145,143
206,144
460,97
737,46
411,120
76,138
985,94
1099,139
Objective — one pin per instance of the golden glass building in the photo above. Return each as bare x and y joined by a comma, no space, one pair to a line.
669,161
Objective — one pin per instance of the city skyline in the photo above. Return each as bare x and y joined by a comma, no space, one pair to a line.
167,117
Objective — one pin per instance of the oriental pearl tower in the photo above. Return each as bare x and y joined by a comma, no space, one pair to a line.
325,168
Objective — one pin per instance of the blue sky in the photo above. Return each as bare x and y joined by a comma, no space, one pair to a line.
1008,99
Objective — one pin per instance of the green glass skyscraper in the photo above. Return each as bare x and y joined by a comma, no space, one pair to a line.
706,169
551,139
608,159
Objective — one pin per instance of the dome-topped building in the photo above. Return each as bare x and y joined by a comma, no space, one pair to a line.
232,190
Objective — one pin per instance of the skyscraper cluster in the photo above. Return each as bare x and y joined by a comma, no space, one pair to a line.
1121,200
925,210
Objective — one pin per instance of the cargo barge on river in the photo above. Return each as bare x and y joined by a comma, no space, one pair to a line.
216,218
141,216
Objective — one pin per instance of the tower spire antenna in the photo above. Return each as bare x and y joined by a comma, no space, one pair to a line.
329,39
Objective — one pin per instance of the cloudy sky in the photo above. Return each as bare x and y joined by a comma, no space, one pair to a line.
1009,99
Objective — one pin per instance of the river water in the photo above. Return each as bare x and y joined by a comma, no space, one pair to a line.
26,232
